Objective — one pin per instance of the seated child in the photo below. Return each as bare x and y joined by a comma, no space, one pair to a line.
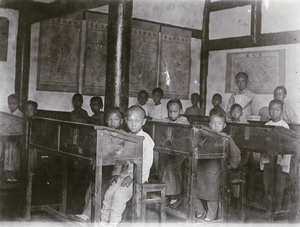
194,109
216,101
78,114
11,145
236,111
288,113
283,161
120,191
31,108
142,99
158,111
96,105
171,164
13,104
209,175
114,119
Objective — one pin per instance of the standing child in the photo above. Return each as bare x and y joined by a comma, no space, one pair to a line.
114,119
12,144
142,99
158,111
78,114
120,191
172,172
216,101
208,182
236,111
288,113
283,161
194,109
96,105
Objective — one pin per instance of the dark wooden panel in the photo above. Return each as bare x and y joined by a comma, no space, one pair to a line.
4,25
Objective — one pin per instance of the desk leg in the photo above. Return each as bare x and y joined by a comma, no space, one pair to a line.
271,192
96,194
295,201
137,191
63,207
190,194
29,186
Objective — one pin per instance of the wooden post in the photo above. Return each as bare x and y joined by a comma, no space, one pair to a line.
118,53
204,56
256,21
23,56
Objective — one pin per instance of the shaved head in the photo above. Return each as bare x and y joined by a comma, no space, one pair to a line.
136,109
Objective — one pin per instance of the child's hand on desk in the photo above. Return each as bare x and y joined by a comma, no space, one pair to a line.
127,181
114,179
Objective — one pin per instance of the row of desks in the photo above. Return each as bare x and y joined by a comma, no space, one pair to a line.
102,146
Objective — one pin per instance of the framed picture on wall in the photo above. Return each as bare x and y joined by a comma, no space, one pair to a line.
265,70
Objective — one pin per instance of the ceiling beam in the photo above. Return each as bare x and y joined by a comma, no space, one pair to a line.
38,11
228,4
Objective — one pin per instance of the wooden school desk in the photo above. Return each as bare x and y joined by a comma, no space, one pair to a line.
79,143
194,143
273,141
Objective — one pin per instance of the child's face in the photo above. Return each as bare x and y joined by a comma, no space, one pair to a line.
242,82
216,101
156,97
236,113
275,112
135,120
77,103
95,106
217,123
30,110
173,111
194,100
142,98
279,94
13,104
114,120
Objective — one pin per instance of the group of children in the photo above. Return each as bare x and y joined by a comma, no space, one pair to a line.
209,172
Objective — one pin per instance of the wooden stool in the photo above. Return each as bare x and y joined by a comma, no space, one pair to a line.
161,200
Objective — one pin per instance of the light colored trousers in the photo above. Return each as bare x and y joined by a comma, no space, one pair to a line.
114,202
212,208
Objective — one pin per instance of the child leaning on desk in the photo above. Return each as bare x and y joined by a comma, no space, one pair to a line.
283,161
209,175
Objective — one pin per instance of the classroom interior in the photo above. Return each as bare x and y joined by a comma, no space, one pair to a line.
94,43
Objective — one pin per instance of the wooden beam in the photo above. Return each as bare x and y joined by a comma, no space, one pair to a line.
23,57
204,55
118,53
256,20
269,39
228,4
38,11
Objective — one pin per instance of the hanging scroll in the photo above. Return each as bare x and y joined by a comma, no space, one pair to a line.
174,77
94,73
143,57
59,55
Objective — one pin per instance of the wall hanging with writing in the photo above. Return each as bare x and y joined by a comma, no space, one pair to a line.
59,55
4,26
143,57
265,70
174,77
94,73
